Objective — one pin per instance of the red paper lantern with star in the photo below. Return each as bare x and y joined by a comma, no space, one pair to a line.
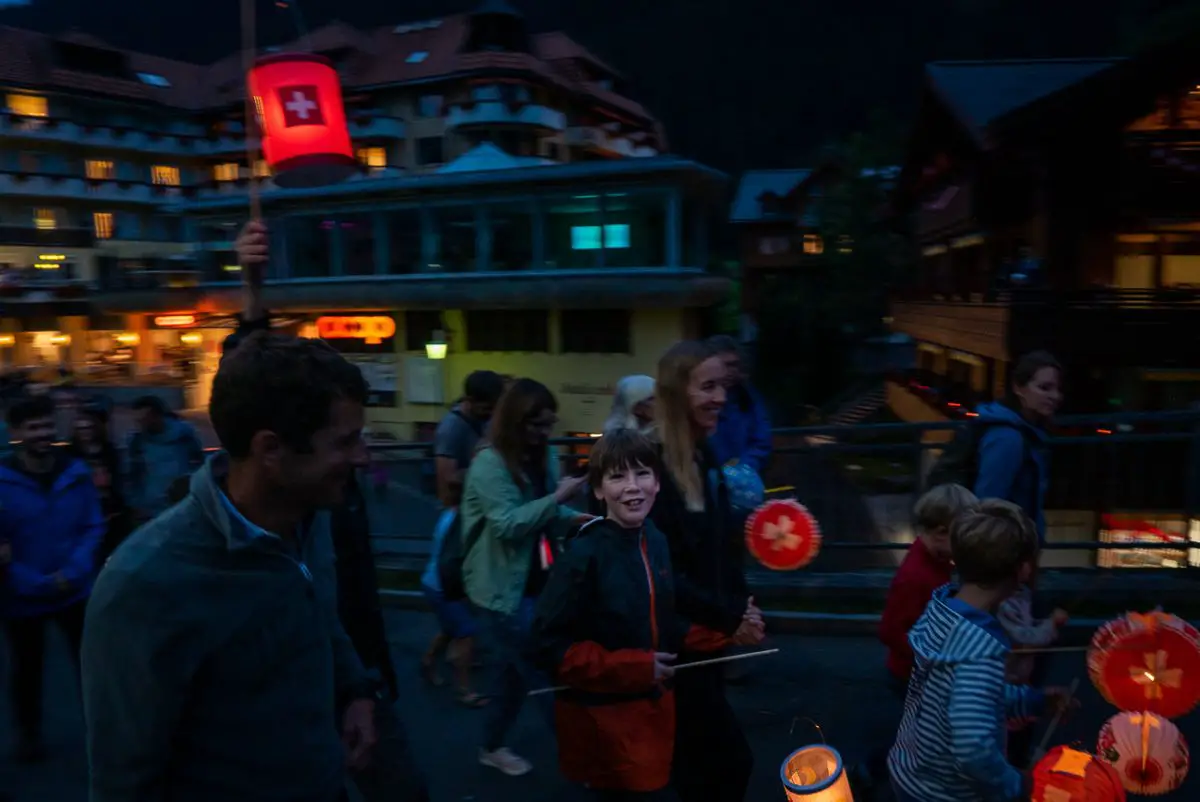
783,535
298,100
1068,775
1147,662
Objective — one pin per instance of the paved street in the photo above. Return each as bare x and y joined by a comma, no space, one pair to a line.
832,681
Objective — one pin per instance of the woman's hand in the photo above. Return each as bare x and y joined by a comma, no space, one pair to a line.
748,634
568,487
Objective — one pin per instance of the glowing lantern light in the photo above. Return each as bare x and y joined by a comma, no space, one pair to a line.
299,104
1148,752
1147,662
783,535
815,774
1068,775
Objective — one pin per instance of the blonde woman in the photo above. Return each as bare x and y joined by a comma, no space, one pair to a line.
633,405
712,758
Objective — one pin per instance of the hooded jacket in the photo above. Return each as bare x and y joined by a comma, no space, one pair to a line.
952,739
1013,461
213,660
157,460
743,429
914,584
52,527
608,606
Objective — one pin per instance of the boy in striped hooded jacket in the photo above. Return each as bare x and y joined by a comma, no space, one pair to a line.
951,743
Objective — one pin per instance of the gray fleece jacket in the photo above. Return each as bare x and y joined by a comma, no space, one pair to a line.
213,659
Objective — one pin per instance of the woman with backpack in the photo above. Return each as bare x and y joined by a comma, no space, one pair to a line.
513,515
1013,461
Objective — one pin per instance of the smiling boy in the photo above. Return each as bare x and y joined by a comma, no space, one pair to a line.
606,628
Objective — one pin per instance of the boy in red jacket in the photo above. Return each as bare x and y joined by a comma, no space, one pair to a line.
606,629
926,568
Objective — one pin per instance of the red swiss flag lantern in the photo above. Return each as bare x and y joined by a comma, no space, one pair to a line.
299,104
1068,775
1148,662
783,535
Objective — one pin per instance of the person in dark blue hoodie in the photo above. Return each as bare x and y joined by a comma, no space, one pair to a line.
743,432
1013,461
51,522
163,448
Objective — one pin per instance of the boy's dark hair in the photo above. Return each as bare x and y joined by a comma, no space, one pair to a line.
30,407
279,383
990,543
621,450
150,402
484,386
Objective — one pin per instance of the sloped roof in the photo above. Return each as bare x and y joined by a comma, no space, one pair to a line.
747,204
489,157
982,92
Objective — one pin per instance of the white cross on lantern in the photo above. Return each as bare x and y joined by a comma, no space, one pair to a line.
781,535
1156,676
300,105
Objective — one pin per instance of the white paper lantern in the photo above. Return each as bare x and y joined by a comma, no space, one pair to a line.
1148,752
815,774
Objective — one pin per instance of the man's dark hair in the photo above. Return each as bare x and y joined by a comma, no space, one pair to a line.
279,383
484,386
1028,366
724,344
30,407
621,450
152,403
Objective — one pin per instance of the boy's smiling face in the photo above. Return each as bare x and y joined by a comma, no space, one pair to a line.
629,492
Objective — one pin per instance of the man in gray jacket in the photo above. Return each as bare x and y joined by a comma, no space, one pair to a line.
214,666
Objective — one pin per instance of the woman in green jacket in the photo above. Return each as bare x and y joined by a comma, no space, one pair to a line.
513,517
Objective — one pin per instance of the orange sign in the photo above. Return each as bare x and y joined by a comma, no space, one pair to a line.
174,321
371,330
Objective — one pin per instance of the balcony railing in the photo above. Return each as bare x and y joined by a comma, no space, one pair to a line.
47,238
497,112
19,183
115,275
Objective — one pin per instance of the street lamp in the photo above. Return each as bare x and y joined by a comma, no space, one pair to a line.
436,348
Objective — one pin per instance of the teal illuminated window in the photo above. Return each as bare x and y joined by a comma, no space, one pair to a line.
587,238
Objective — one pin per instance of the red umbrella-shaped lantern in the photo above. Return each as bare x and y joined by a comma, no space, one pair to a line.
1068,775
298,100
1147,662
783,535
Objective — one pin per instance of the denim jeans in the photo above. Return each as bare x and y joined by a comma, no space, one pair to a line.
516,677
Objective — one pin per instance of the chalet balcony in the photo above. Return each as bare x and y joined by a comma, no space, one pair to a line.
179,141
47,238
610,144
16,184
498,112
1100,328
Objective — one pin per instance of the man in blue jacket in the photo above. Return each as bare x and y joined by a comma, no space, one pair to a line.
51,525
743,429
163,448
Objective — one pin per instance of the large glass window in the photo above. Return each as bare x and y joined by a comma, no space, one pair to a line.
573,232
455,228
635,229
358,244
525,330
308,246
404,241
512,236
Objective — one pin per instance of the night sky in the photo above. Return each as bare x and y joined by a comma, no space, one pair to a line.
738,83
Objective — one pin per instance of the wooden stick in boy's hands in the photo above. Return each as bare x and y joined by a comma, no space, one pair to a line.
1065,702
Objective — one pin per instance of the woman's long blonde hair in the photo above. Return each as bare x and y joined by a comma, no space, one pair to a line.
673,416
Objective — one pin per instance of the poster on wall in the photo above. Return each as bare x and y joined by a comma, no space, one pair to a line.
380,371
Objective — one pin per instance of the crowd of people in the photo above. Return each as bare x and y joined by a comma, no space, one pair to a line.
233,646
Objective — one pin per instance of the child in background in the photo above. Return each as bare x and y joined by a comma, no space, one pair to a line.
951,743
606,628
457,627
1025,631
926,567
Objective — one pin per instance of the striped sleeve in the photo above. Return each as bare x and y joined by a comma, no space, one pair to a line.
1023,702
976,698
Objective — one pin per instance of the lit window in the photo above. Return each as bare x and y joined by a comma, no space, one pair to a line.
375,158
227,172
813,244
164,175
28,106
45,219
150,79
103,223
588,238
417,56
262,169
98,170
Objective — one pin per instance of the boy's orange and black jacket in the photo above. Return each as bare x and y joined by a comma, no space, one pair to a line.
608,605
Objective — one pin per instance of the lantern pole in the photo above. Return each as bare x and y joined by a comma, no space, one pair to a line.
248,37
1041,750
